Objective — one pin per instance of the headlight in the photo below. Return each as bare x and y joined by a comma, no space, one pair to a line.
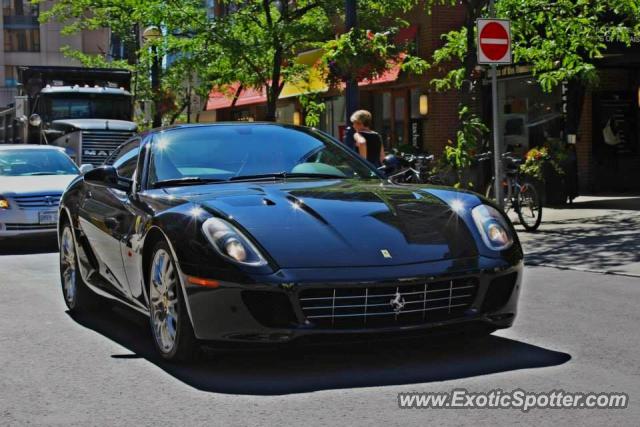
492,227
231,243
4,203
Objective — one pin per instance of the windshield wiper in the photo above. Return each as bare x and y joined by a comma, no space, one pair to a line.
189,180
42,173
285,175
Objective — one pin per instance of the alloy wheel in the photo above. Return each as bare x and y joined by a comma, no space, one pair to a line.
163,295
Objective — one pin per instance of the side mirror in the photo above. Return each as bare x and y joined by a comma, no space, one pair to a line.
107,176
85,168
35,120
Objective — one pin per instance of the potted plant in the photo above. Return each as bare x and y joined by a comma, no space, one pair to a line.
544,165
358,54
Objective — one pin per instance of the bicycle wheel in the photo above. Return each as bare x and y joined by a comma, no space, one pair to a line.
529,207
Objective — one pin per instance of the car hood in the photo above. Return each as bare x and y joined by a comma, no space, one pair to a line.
340,223
95,124
41,184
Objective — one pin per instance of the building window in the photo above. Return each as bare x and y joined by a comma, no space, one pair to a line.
10,76
19,8
22,40
528,117
21,26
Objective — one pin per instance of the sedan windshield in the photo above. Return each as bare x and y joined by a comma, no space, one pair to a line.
28,162
250,152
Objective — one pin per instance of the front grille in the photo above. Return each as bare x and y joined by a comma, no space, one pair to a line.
38,201
97,145
388,305
26,227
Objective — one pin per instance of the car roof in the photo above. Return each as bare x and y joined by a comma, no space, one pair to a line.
6,147
220,124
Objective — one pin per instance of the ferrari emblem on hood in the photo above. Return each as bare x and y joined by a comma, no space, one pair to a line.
385,253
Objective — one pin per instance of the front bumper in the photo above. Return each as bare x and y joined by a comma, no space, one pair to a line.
271,311
24,222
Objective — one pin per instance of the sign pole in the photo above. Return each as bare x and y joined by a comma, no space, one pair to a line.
497,152
497,155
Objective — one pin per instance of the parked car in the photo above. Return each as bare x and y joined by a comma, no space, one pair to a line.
32,179
252,232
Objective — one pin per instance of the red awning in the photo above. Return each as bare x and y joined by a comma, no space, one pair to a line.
389,76
225,98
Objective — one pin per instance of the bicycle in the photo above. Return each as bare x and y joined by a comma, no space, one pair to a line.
520,194
416,170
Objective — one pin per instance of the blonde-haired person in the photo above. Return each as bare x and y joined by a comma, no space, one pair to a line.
369,143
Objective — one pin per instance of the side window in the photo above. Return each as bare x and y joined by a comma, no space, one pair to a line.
126,159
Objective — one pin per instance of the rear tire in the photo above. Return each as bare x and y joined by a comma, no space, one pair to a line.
529,207
169,320
77,295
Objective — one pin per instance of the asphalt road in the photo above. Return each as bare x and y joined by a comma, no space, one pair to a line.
576,331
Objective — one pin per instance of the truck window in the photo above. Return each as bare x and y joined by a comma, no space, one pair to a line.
58,107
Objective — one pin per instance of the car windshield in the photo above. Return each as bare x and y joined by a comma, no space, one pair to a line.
28,162
246,152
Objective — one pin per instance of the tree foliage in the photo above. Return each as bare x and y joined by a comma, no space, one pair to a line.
253,44
560,40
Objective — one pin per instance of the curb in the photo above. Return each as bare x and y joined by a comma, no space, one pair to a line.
585,270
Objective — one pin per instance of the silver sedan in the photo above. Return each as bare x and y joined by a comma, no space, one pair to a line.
32,180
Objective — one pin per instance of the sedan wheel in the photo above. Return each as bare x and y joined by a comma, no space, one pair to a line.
170,324
77,295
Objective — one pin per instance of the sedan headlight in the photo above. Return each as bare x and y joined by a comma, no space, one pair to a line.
492,227
4,203
231,243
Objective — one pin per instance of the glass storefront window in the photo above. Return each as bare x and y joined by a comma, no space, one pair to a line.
415,103
399,111
334,116
382,116
285,114
528,116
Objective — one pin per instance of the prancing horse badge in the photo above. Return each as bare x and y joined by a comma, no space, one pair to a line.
385,253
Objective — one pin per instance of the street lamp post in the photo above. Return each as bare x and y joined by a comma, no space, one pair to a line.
351,90
153,33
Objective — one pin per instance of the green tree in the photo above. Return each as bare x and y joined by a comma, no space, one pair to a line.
254,43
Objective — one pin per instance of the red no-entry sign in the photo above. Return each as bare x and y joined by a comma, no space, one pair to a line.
494,41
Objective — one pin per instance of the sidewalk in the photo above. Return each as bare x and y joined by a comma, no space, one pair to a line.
600,234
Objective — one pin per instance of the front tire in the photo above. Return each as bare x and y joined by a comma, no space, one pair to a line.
170,324
77,296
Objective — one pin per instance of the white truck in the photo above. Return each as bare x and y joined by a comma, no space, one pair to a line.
87,111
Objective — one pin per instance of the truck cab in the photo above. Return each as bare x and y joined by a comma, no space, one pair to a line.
87,111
